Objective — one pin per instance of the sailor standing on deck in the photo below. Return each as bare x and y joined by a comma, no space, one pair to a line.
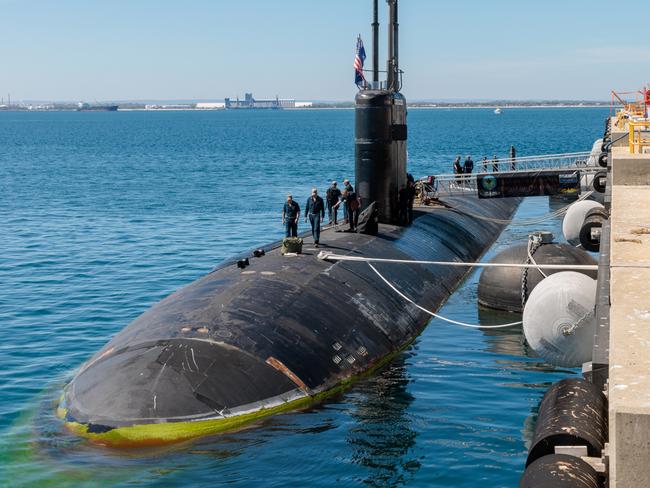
290,214
352,205
346,187
333,197
315,210
406,200
410,185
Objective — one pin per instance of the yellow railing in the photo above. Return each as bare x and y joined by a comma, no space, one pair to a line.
638,129
630,110
621,119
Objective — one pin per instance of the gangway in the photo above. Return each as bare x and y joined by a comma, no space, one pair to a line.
523,176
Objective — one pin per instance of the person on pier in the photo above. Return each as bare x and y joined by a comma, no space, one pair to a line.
458,168
469,165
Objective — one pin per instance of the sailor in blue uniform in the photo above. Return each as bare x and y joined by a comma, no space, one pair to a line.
290,214
315,210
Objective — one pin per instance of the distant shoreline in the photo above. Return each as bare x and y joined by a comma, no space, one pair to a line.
505,107
351,107
461,107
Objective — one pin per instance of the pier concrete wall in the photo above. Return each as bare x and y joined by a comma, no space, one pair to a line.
629,358
630,169
620,138
620,135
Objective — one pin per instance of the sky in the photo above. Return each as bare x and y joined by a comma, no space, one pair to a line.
209,49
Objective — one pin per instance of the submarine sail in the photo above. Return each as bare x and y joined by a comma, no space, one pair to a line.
235,346
381,132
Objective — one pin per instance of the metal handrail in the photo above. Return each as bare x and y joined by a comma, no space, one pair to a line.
465,184
554,155
636,140
635,108
624,116
531,163
462,185
383,84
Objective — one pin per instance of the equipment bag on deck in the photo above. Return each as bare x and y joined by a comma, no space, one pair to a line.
291,244
367,222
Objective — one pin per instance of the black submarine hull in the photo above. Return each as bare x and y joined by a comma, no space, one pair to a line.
237,345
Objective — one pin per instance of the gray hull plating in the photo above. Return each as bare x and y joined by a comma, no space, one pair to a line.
285,328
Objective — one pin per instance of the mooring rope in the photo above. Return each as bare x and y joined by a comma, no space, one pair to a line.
327,256
433,314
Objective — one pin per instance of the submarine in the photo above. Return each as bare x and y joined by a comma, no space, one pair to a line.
272,332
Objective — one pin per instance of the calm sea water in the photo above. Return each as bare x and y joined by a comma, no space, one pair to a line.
104,214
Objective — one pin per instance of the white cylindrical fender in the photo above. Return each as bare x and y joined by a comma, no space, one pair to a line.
574,219
559,322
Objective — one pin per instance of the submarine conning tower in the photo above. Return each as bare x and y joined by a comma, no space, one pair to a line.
380,130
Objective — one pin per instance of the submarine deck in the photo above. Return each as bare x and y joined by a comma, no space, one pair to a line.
284,329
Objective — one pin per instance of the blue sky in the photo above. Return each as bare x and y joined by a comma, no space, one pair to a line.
208,49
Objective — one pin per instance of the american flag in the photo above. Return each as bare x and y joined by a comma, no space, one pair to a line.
358,63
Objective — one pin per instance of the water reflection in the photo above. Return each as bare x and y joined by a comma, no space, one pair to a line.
38,452
512,342
508,341
556,202
383,437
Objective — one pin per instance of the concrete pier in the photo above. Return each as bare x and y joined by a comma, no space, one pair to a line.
629,334
619,135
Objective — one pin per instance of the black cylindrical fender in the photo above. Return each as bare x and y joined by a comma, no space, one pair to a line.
573,412
595,218
600,181
501,288
560,471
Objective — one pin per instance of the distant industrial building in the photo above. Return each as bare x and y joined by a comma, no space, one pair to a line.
175,106
210,106
251,103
